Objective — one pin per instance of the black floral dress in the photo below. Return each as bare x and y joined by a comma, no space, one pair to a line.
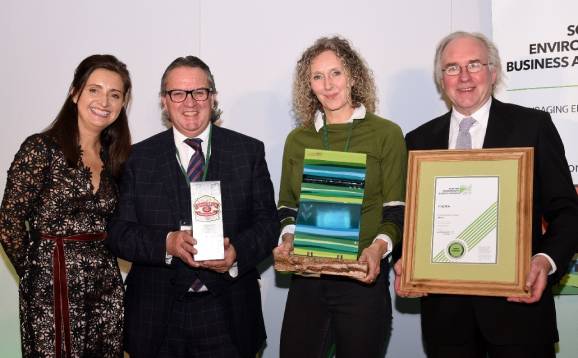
43,192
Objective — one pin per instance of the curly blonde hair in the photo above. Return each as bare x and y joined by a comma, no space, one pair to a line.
305,103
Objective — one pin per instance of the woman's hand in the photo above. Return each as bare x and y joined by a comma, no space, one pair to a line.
285,248
372,256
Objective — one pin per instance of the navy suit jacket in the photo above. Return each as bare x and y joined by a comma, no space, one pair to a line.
554,199
150,207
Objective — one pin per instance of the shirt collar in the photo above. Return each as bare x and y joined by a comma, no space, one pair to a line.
481,115
180,137
358,113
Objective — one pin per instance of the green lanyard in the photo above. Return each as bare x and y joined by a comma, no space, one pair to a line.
207,159
326,135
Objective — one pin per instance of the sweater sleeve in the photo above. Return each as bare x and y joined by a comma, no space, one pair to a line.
290,180
393,167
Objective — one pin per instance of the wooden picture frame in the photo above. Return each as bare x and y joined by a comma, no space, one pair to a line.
452,243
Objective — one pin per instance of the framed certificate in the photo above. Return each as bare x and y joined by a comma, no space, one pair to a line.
468,221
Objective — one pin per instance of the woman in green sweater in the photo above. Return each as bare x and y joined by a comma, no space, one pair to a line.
333,98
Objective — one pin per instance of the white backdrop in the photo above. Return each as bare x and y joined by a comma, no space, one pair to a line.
251,47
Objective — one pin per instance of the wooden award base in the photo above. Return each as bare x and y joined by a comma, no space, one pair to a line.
311,266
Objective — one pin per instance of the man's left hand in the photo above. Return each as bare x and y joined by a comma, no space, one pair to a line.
536,281
225,264
372,255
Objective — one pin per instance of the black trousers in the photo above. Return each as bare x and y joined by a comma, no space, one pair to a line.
481,349
198,328
472,343
330,309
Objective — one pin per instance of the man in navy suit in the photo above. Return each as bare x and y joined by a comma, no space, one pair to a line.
176,306
467,68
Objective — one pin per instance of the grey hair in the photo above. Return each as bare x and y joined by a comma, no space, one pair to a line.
192,62
494,62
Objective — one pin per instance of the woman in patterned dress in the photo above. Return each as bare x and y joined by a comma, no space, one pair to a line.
60,192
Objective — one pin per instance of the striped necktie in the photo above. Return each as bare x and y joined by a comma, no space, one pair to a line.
195,173
464,137
197,162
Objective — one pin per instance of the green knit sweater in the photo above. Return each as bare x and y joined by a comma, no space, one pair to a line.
382,141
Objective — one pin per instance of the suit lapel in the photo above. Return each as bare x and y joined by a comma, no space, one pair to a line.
497,130
441,133
167,159
217,147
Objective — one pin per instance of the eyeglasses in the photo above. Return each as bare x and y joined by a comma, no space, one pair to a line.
472,67
198,94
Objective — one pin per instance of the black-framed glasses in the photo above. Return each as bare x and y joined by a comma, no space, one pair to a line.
198,94
472,67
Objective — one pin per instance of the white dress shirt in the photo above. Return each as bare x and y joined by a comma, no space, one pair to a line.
185,152
478,129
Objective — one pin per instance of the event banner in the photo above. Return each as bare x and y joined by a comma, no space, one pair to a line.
539,52
329,213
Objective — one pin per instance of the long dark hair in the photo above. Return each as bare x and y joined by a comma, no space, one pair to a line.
115,139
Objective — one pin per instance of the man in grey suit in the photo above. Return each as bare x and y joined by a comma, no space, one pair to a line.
467,68
176,306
